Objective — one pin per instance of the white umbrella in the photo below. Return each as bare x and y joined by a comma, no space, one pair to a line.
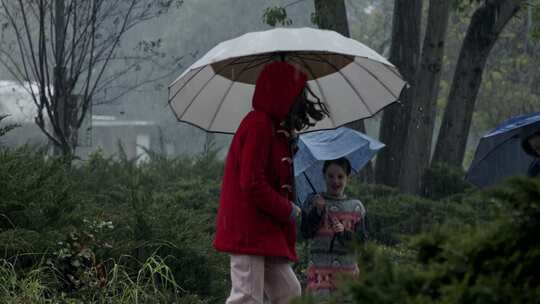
354,81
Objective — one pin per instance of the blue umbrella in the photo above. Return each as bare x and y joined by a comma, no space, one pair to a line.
499,153
316,147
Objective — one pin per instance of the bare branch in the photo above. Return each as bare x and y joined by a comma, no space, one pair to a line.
20,44
12,66
29,38
127,89
113,48
86,95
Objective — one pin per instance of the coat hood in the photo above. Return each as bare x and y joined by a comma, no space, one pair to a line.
526,133
277,88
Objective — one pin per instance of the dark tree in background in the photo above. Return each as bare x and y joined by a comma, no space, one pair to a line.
332,15
404,54
417,147
487,23
66,54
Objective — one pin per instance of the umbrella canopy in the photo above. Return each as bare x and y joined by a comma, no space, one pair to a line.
499,153
354,81
316,147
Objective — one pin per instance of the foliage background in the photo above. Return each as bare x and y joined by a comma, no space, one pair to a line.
107,230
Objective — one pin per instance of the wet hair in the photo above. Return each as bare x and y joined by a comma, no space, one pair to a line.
304,110
341,162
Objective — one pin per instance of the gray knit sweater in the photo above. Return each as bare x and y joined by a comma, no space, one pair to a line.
331,253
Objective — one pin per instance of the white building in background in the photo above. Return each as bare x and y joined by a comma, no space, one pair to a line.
16,101
137,137
103,132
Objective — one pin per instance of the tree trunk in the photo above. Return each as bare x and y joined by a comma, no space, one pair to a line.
332,15
404,53
487,23
65,104
417,150
60,99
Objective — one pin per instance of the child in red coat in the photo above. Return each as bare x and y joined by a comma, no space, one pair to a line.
256,216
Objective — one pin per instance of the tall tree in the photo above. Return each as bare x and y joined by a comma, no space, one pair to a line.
332,15
487,22
404,53
65,52
417,149
510,75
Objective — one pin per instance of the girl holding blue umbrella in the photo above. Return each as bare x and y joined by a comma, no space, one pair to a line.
332,221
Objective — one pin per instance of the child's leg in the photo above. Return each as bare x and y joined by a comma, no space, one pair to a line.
247,277
280,282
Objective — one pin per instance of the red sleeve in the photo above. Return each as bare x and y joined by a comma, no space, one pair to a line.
253,161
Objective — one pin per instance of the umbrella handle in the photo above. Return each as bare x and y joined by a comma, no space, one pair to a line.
309,182
294,197
336,235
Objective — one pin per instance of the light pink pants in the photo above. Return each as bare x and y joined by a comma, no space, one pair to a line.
255,276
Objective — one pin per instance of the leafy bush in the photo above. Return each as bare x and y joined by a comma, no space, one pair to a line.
152,282
35,203
392,216
442,180
163,209
121,225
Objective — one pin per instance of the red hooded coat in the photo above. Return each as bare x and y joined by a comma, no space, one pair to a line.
255,205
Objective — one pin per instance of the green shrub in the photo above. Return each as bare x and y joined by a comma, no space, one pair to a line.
151,282
164,208
163,214
36,192
442,180
392,216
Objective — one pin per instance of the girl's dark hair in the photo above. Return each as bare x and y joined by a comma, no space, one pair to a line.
525,143
342,162
303,109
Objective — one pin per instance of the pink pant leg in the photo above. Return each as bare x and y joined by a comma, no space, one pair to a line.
280,282
247,278
254,276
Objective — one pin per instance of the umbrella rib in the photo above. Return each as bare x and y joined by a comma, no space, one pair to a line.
198,93
491,151
222,101
201,89
373,75
350,84
302,62
392,70
311,59
376,78
185,83
255,58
